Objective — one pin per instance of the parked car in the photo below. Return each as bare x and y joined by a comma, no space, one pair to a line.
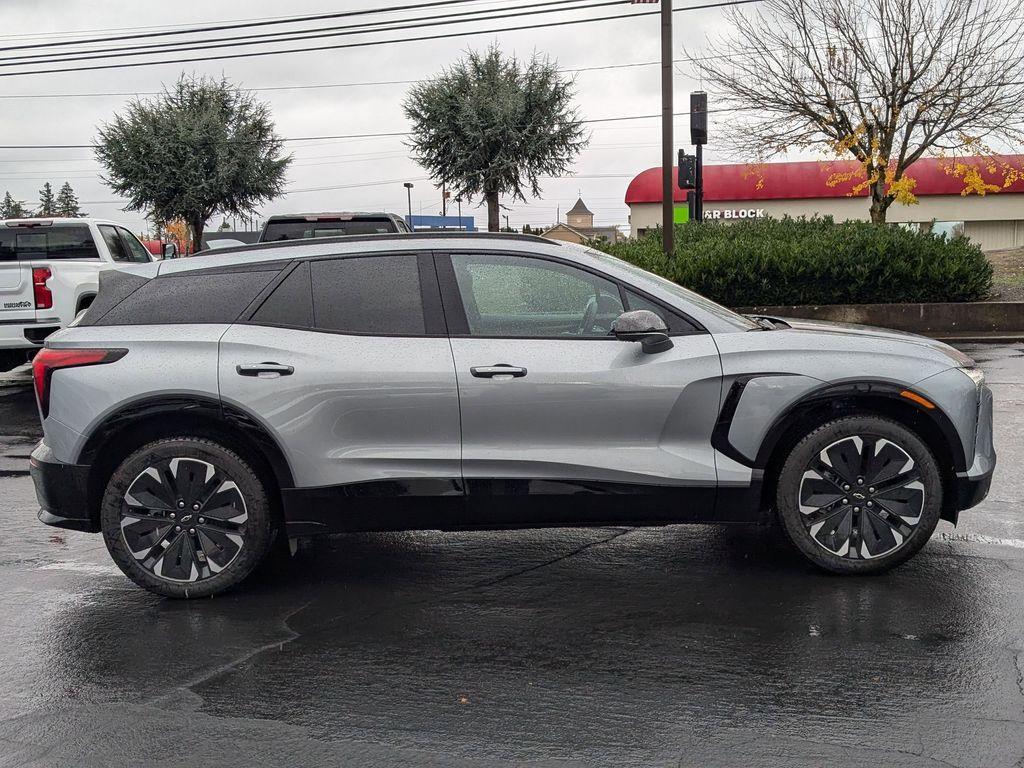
302,226
161,249
203,407
223,242
49,272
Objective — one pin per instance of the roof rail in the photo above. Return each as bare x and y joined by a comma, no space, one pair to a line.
400,236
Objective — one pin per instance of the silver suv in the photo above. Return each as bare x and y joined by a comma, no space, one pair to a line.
203,409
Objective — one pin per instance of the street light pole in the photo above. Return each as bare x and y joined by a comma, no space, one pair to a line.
408,189
667,207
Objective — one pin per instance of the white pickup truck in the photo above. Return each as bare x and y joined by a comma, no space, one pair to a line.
49,272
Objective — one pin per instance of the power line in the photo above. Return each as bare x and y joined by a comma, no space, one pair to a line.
348,135
241,25
260,89
475,16
370,43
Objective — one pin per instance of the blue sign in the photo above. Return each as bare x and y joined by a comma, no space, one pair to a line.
458,223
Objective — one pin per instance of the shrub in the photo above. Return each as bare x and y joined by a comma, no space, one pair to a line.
814,261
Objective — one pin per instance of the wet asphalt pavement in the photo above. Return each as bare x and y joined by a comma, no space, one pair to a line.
681,646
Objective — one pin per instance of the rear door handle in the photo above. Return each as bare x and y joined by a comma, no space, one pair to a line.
501,370
265,370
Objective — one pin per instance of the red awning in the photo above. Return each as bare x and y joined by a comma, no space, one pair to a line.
809,180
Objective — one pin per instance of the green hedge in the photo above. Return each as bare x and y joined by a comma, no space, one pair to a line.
814,261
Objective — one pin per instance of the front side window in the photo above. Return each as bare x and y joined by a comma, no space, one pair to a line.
528,297
674,322
368,295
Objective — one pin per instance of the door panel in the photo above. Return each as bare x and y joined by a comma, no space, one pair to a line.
355,408
592,410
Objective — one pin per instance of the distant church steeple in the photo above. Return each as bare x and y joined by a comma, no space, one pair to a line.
579,215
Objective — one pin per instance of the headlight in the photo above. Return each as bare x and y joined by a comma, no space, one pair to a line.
974,374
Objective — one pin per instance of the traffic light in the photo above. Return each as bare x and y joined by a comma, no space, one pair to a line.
698,117
687,170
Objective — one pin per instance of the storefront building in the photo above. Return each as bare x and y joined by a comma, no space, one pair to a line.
994,220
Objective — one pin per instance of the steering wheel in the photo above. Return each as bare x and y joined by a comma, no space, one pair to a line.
589,317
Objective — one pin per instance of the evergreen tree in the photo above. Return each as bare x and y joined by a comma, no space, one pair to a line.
13,209
67,203
47,203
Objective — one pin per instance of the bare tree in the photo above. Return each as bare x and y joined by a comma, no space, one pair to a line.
884,80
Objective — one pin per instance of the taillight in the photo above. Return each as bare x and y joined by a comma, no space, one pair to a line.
50,360
44,298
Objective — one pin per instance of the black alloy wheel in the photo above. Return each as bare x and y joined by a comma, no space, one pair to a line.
186,517
859,495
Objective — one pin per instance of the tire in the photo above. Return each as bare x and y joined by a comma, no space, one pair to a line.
153,522
11,358
859,495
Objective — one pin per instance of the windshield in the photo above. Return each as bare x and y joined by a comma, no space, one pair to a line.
300,229
643,276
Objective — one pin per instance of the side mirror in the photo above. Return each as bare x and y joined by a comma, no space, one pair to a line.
645,327
170,251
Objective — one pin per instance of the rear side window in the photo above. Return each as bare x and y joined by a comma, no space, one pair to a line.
368,294
123,245
291,303
191,297
118,251
57,241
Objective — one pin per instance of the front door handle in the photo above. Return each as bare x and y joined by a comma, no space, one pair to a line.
265,370
501,370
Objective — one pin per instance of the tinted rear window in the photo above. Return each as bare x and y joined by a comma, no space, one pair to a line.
300,229
369,294
190,297
58,241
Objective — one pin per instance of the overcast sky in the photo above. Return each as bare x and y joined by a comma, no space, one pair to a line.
617,151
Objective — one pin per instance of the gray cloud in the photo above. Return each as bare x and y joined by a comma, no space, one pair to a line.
617,148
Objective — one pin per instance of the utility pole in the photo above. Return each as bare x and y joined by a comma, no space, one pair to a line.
667,198
408,191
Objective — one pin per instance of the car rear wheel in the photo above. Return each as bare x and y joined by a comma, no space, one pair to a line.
860,494
186,517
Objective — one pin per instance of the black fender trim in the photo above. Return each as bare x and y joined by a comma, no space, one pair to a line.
822,396
192,405
733,502
720,434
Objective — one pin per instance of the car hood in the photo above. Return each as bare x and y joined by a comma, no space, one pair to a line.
927,345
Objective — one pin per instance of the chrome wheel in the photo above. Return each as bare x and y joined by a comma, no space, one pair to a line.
861,497
184,520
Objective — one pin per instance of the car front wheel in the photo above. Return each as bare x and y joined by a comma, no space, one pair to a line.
860,494
186,517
